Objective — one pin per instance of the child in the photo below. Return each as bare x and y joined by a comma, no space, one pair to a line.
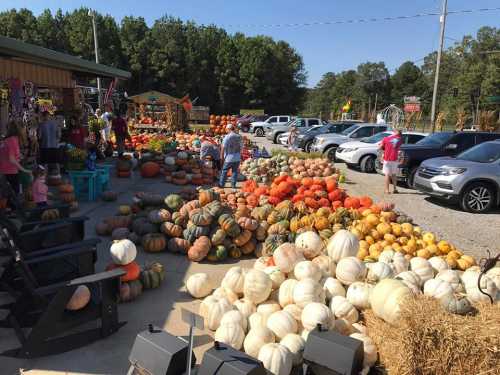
40,189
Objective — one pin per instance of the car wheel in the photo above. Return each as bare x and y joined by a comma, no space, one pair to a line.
410,179
259,132
478,198
367,164
307,147
276,137
330,153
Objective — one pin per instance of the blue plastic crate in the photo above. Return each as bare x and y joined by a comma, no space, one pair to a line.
85,184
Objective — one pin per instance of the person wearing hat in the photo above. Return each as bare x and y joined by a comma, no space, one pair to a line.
230,156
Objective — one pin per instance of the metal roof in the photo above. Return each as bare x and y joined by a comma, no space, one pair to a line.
48,57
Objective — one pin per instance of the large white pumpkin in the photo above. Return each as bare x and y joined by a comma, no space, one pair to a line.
281,323
369,348
257,320
342,244
268,307
387,297
326,265
487,286
123,252
199,285
225,293
437,288
285,295
316,313
204,305
307,269
296,344
422,268
307,291
452,277
310,243
378,271
235,316
276,358
438,264
411,280
396,260
471,272
256,338
343,309
215,311
234,280
494,274
286,256
358,294
277,277
332,288
261,263
350,270
231,334
295,311
257,286
245,306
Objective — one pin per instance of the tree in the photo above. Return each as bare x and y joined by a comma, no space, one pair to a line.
20,25
51,30
373,84
408,80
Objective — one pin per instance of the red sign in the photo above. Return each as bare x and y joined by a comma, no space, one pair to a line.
412,107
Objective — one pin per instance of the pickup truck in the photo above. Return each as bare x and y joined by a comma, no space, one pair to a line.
245,121
433,146
302,124
258,127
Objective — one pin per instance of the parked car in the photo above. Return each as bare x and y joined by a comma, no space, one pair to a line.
283,138
471,179
436,145
364,153
258,127
302,124
328,143
306,139
245,121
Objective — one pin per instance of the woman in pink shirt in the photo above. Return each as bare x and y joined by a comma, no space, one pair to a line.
40,189
10,157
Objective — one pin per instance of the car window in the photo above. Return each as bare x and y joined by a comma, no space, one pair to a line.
484,137
378,129
463,141
413,138
350,129
375,138
272,120
365,131
313,122
483,153
436,139
300,123
284,119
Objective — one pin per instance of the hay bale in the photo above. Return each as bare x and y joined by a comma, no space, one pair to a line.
430,340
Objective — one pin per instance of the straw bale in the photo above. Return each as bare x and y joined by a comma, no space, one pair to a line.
431,341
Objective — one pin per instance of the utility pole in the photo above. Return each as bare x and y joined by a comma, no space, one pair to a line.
442,20
96,49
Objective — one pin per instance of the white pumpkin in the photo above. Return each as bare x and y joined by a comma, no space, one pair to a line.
494,275
326,265
257,286
305,334
295,311
281,323
199,285
422,268
343,326
487,286
286,256
225,293
437,288
411,280
261,263
207,301
285,294
386,299
316,313
369,348
452,277
471,272
231,334
349,270
246,307
343,309
277,277
234,279
386,256
256,338
169,160
396,260
307,269
332,288
378,271
307,291
358,294
235,316
310,243
342,244
268,307
257,320
276,358
123,252
296,344
438,264
215,311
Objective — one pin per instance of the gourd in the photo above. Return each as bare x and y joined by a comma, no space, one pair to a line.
452,277
286,256
369,348
281,323
174,202
132,270
256,338
343,309
343,244
154,242
437,288
257,320
307,291
248,223
79,299
332,288
316,313
231,334
378,271
242,238
257,286
178,245
286,289
218,237
193,232
277,277
150,169
129,291
307,269
152,276
422,268
234,280
171,230
396,260
235,317
207,196
386,299
199,285
358,294
411,280
310,243
245,306
213,311
200,249
296,345
276,358
456,304
249,247
123,251
141,226
349,270
487,286
326,265
200,217
438,264
159,216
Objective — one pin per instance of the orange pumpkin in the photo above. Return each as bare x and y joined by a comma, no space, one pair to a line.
351,202
132,270
365,201
150,169
66,188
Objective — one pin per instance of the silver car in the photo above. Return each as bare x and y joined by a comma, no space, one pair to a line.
302,124
472,178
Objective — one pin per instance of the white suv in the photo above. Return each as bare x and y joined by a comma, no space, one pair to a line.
258,127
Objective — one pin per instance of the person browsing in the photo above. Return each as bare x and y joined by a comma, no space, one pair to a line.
39,188
230,156
49,134
391,145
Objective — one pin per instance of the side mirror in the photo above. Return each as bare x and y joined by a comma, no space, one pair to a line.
451,146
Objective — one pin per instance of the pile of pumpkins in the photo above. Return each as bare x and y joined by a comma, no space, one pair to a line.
269,310
66,194
182,168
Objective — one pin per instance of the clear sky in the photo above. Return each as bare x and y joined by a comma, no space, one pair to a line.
324,48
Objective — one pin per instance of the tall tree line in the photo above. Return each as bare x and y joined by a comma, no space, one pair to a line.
227,72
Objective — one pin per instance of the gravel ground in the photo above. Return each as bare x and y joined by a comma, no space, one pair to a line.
472,233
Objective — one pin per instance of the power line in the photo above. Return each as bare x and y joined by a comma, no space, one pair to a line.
361,20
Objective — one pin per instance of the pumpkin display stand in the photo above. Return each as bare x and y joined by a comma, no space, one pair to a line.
429,340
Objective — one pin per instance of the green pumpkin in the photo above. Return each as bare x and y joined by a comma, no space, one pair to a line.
234,252
325,234
212,255
221,252
272,242
285,209
214,208
278,228
261,213
174,202
274,217
178,219
218,236
200,217
192,232
152,276
261,231
229,225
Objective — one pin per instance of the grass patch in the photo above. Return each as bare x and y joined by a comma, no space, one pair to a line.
299,155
